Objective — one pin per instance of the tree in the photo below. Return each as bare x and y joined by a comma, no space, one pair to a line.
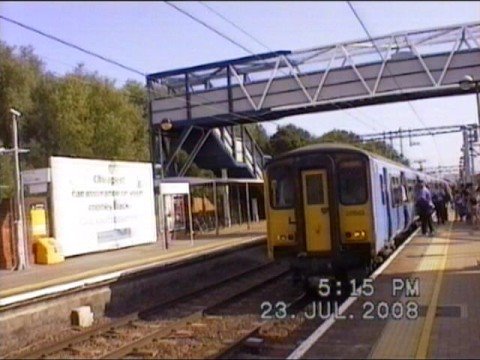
84,115
289,137
260,136
20,71
194,170
80,114
137,95
377,147
339,136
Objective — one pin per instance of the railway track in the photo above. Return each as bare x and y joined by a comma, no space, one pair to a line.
170,326
223,320
279,338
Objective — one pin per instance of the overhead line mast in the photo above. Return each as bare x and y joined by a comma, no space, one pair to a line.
469,133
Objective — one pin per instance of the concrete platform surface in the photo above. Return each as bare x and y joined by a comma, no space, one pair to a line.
76,271
436,314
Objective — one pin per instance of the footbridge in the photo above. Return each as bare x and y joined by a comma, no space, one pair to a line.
396,67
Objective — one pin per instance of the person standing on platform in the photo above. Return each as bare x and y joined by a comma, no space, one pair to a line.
424,207
447,198
457,203
468,200
437,199
461,202
475,201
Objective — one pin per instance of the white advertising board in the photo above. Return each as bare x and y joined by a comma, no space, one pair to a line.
100,205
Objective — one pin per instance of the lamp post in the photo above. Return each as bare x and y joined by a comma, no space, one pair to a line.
19,211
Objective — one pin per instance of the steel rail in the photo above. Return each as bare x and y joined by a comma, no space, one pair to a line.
70,341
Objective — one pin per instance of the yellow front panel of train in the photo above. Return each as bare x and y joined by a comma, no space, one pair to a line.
356,223
282,227
316,210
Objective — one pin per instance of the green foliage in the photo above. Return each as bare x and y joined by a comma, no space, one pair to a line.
83,114
137,95
19,74
289,137
80,114
260,136
193,170
340,136
6,177
377,147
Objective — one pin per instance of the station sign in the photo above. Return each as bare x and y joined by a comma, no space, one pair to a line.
36,176
100,204
36,181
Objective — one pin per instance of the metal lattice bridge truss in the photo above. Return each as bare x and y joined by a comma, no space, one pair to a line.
396,67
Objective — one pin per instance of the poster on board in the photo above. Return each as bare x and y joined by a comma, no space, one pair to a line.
100,204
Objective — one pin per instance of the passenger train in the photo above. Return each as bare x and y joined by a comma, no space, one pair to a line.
332,208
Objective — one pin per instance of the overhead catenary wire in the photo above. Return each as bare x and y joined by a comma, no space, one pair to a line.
194,18
138,72
235,25
268,48
88,52
109,60
249,51
114,62
69,44
208,27
362,24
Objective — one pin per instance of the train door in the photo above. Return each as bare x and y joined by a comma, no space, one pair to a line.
316,210
387,198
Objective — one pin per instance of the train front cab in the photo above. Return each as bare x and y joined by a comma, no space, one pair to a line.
320,213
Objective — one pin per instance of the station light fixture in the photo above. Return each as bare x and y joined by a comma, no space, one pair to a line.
166,124
469,83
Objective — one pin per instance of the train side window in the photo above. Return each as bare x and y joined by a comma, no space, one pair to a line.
394,190
314,184
411,184
281,189
353,182
382,189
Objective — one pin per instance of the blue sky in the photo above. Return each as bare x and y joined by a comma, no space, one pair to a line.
152,37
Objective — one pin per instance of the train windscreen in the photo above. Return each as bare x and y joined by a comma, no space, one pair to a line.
353,182
281,189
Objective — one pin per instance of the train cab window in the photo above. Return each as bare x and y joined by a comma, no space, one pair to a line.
281,189
353,182
314,184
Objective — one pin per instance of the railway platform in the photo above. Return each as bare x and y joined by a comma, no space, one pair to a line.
80,271
39,301
425,303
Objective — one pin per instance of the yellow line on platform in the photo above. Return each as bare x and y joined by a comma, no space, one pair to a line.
424,341
130,265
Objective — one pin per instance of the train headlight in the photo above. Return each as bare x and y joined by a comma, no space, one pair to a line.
359,234
289,237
